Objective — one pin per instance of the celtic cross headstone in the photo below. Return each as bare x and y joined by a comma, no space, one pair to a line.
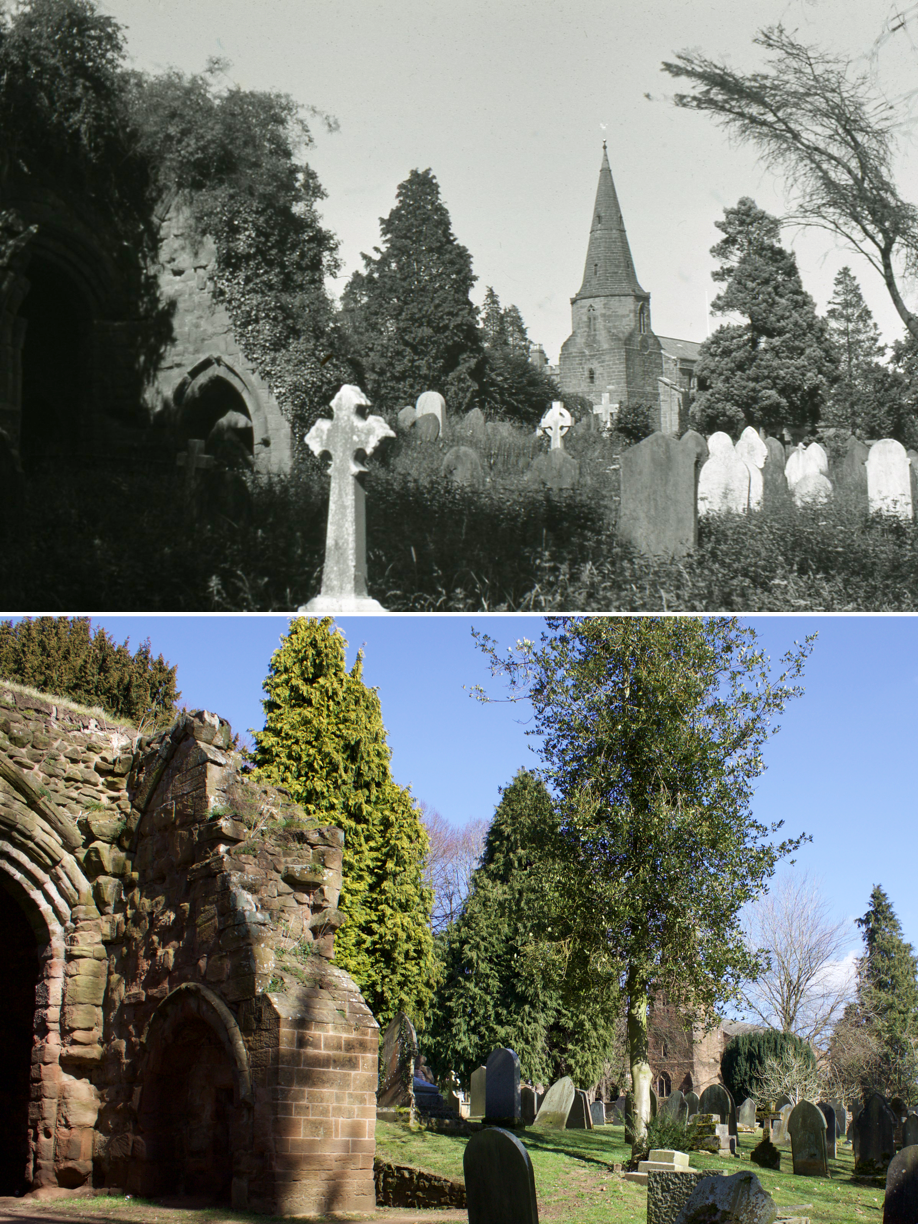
555,423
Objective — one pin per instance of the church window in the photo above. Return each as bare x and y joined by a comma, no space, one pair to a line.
642,320
591,322
596,269
591,375
599,218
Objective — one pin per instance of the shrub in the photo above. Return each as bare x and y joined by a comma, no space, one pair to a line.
745,1057
665,1131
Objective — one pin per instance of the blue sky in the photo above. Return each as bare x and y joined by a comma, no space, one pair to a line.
842,767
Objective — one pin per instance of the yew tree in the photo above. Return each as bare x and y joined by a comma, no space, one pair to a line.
324,740
651,733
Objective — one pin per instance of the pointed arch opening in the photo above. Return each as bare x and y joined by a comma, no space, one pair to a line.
20,969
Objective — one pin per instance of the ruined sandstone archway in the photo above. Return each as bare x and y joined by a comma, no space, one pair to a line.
195,1114
47,894
221,404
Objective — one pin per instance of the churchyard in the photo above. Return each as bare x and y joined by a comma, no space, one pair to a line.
486,516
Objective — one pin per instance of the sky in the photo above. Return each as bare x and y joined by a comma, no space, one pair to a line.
509,103
841,768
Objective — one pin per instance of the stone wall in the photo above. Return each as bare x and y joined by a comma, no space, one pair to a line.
188,1031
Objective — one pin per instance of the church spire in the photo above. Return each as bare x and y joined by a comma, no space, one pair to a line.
609,269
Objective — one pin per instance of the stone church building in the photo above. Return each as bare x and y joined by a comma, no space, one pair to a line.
613,354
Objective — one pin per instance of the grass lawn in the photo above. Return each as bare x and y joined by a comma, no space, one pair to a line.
574,1178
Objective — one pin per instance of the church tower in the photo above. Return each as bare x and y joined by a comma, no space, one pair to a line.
612,348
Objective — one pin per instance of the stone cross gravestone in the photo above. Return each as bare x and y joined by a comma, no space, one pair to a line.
477,1093
499,1181
555,424
745,1115
723,484
344,576
754,453
556,1105
399,1055
807,1129
606,412
900,1206
873,1137
658,508
431,403
502,1086
740,1199
889,484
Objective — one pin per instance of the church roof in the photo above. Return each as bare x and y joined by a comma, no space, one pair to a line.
609,269
684,350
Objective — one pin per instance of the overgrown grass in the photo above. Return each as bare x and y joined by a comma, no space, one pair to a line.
574,1179
89,541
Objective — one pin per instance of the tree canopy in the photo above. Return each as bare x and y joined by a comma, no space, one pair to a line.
745,1060
651,733
409,317
774,370
826,126
511,386
324,740
64,656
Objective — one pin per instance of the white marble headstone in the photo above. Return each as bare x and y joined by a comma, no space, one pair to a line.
889,485
753,452
434,403
723,483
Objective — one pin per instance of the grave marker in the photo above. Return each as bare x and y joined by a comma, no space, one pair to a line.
900,1206
828,1113
910,1131
477,1093
658,511
606,412
527,1105
344,575
431,403
754,453
853,474
745,1115
889,483
723,484
406,418
499,1181
598,1113
675,1106
463,466
502,1086
555,424
556,1105
807,1129
873,1136
716,1099
193,460
774,482
692,1100
740,1199
427,428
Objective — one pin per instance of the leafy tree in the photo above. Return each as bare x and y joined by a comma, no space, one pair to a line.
635,421
324,740
233,158
827,127
651,735
409,317
888,994
63,656
494,991
745,1058
775,369
511,386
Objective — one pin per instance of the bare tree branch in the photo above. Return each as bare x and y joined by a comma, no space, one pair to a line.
453,856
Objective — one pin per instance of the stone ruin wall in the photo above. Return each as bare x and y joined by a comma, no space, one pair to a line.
188,1032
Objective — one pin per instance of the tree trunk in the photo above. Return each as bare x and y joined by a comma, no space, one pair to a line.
889,275
637,1053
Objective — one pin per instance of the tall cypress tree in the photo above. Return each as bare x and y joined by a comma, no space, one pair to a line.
324,740
496,988
775,369
888,992
411,321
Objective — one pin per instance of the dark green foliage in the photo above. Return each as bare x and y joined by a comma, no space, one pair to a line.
746,1055
410,321
774,370
856,338
636,421
665,1132
511,387
63,656
324,741
493,990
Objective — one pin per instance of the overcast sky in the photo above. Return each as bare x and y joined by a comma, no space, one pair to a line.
508,103
841,768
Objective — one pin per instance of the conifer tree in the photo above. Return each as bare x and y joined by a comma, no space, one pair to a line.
511,386
62,655
496,987
775,369
888,993
324,740
411,322
857,340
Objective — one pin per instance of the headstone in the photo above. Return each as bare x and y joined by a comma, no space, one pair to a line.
344,575
474,422
745,1115
913,476
477,1093
615,1113
807,473
193,460
406,418
889,483
910,1132
807,1129
527,1105
426,429
399,1056
766,1155
783,1100
873,1136
555,1108
900,1206
658,511
555,469
754,453
723,484
598,1112
502,1086
740,1199
555,424
853,472
692,1100
499,1181
716,1099
605,412
841,1119
774,482
432,403
828,1113
675,1106
579,1117
463,466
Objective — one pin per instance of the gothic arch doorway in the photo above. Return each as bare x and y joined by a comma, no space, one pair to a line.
215,403
20,971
